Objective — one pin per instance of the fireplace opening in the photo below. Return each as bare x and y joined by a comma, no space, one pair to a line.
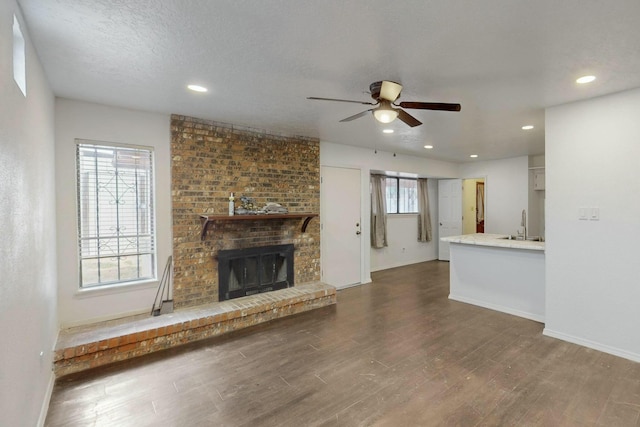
249,271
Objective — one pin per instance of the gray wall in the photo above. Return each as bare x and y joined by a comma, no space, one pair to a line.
27,207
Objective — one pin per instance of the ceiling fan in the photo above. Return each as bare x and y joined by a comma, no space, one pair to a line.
385,94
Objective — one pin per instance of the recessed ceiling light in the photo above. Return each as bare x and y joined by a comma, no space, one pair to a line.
585,79
527,127
197,88
428,147
387,130
473,156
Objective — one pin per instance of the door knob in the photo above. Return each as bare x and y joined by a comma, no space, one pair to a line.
358,233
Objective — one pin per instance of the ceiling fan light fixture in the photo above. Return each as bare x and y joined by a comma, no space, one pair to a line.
385,113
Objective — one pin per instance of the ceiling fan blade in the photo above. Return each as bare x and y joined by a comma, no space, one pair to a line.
340,100
356,116
408,118
431,106
390,90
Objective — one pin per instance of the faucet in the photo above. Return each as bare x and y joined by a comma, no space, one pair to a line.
524,224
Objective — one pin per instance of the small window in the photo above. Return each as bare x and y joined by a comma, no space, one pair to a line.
19,62
402,195
116,222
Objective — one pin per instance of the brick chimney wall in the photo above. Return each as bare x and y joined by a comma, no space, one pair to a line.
210,160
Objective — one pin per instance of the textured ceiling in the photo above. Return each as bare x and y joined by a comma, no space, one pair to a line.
503,60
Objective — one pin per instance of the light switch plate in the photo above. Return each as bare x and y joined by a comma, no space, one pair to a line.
594,214
582,214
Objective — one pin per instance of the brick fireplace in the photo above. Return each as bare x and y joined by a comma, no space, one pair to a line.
210,160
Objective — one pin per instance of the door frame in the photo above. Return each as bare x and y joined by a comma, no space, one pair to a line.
485,179
464,193
364,261
442,244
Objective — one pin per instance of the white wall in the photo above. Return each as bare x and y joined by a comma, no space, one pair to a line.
593,273
366,160
75,119
27,208
506,191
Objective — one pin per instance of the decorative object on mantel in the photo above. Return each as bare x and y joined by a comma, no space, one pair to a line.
209,219
275,208
247,206
231,199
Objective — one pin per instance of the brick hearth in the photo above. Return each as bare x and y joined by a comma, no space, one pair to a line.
90,346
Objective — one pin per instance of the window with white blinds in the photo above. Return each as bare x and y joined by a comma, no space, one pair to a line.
116,221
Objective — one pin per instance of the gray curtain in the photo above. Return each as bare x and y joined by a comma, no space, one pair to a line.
424,217
378,212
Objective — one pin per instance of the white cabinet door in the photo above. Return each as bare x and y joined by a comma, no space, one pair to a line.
341,226
449,213
538,179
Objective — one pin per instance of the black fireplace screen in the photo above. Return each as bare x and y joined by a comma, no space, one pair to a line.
250,271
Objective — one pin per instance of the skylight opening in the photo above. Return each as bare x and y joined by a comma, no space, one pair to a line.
19,61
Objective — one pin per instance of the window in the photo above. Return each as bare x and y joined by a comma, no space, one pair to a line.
116,224
402,195
19,63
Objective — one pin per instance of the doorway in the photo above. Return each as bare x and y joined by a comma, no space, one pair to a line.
340,209
449,213
473,205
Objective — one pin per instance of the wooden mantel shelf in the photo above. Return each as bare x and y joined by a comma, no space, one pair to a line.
208,219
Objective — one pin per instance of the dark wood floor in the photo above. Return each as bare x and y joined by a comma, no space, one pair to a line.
395,352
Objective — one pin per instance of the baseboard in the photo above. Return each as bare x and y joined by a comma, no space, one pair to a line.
400,264
635,357
45,402
531,316
353,285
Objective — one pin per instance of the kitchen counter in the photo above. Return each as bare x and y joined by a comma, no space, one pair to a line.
490,271
495,240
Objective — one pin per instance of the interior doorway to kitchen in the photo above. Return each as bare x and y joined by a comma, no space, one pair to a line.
473,205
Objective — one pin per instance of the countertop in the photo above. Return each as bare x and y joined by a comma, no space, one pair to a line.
494,240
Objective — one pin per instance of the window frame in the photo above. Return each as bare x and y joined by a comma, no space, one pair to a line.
397,183
151,216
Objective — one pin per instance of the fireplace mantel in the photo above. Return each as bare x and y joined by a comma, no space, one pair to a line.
208,219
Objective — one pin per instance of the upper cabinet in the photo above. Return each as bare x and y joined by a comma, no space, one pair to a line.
538,179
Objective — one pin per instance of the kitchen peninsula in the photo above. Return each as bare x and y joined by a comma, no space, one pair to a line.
492,271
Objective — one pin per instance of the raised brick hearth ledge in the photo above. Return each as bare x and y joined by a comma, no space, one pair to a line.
90,346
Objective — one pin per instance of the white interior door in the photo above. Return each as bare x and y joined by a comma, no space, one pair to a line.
449,213
340,226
